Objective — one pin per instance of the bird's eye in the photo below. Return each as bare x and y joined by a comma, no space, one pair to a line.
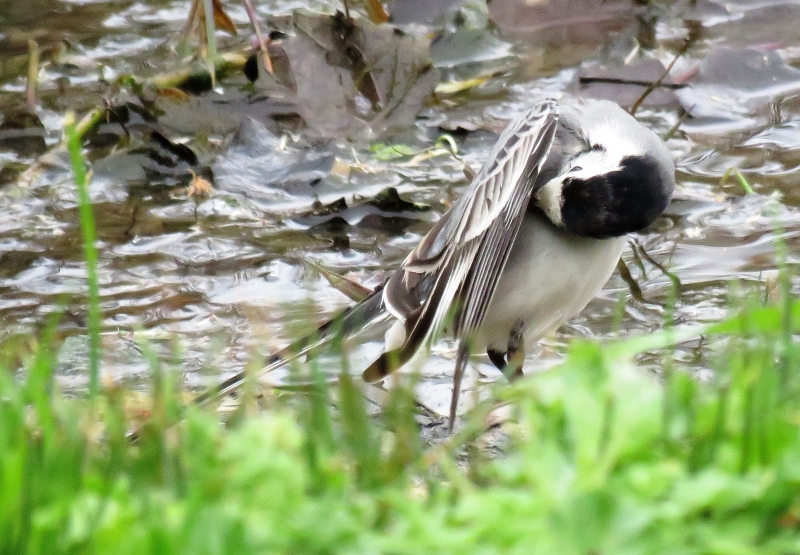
575,169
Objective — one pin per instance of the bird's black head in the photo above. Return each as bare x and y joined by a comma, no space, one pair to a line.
622,201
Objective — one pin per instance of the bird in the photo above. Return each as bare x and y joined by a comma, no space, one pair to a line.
533,238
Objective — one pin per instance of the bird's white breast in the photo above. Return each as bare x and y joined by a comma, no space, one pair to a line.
551,275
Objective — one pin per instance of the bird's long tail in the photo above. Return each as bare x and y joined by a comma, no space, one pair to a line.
350,321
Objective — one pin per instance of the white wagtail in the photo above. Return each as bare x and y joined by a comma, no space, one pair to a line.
532,240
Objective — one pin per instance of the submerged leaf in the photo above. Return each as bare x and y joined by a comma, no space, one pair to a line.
426,12
557,21
22,132
260,166
351,77
348,287
389,200
738,81
150,156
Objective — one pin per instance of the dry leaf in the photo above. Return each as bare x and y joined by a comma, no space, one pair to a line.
221,19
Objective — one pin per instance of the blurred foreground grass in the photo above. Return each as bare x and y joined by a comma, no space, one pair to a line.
601,459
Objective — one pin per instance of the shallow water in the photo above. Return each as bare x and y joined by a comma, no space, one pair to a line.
214,284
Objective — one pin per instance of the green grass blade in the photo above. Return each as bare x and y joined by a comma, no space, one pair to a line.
89,246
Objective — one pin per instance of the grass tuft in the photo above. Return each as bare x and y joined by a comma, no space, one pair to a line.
589,466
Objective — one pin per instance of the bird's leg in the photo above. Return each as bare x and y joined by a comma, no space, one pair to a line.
461,363
515,356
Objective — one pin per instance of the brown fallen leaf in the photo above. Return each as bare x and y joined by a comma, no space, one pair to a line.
375,11
197,15
221,19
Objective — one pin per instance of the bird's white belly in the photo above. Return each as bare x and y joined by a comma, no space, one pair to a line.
551,275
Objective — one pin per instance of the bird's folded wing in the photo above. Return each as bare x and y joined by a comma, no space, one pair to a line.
454,269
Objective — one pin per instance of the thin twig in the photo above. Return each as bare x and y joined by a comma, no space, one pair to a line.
676,282
639,82
188,27
262,44
33,75
672,130
636,105
626,276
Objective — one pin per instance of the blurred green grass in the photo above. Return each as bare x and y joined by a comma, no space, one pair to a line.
600,458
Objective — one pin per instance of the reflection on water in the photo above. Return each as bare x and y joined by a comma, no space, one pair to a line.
222,280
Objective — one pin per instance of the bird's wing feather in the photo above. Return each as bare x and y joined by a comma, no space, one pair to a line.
459,260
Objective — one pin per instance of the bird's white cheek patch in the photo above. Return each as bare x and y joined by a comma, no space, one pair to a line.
550,199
